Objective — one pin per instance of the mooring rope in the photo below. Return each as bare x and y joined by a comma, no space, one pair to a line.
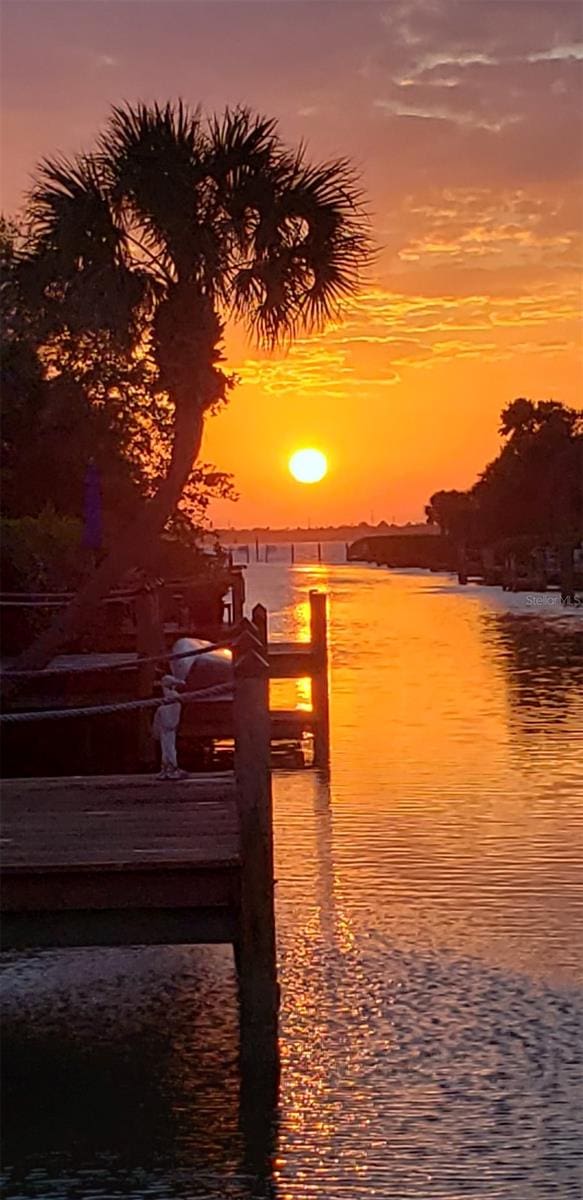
219,691
134,663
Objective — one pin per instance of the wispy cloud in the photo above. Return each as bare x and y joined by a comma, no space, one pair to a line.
105,61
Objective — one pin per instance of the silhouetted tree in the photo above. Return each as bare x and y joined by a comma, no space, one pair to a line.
453,512
533,486
68,400
172,224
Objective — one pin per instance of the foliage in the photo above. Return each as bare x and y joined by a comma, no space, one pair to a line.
173,224
533,487
173,206
70,400
44,554
40,554
133,258
453,512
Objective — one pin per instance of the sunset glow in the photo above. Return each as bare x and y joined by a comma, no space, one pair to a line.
463,120
291,379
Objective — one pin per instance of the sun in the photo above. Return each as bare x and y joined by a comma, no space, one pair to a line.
308,466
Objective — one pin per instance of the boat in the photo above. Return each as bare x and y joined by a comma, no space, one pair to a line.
202,670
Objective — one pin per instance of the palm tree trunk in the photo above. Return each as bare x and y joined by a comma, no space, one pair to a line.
130,548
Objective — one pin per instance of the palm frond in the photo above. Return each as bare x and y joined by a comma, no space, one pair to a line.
79,253
240,145
216,208
154,157
70,213
308,245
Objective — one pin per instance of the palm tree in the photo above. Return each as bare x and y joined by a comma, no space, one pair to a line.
174,224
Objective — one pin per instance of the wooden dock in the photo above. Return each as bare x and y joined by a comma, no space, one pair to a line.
122,742
132,860
119,860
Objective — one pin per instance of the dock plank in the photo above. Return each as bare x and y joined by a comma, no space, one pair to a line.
118,821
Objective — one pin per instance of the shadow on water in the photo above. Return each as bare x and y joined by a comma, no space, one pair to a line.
123,1068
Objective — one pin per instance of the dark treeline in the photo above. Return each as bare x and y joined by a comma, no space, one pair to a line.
532,489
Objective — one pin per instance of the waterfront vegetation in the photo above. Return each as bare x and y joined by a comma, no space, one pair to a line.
532,490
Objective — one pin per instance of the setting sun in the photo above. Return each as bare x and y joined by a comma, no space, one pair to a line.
308,466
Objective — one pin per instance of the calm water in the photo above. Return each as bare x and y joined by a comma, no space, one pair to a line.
430,918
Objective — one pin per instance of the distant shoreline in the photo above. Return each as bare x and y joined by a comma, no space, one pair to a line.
328,533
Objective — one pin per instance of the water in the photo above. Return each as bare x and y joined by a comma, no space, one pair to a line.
430,916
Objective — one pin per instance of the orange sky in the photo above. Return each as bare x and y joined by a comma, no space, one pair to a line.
463,117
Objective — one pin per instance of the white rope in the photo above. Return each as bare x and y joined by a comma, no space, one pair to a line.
134,663
219,691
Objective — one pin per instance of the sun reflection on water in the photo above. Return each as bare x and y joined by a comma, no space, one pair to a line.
429,907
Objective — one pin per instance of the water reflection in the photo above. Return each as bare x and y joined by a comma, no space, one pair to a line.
430,906
543,662
122,1068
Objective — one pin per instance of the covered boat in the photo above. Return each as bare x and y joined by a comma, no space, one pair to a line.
202,670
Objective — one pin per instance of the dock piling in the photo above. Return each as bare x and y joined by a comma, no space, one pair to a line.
255,948
320,688
238,595
259,620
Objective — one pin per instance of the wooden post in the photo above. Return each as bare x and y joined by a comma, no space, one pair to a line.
149,642
256,549
238,594
462,571
259,619
567,572
539,571
488,565
255,948
292,553
320,690
319,552
266,552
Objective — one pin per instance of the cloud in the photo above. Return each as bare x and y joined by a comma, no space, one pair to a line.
504,229
385,334
105,61
482,30
503,80
441,112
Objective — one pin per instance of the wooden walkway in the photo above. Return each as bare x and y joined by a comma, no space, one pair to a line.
132,860
142,860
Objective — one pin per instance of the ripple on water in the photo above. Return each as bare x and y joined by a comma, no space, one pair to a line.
435,1076
430,906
